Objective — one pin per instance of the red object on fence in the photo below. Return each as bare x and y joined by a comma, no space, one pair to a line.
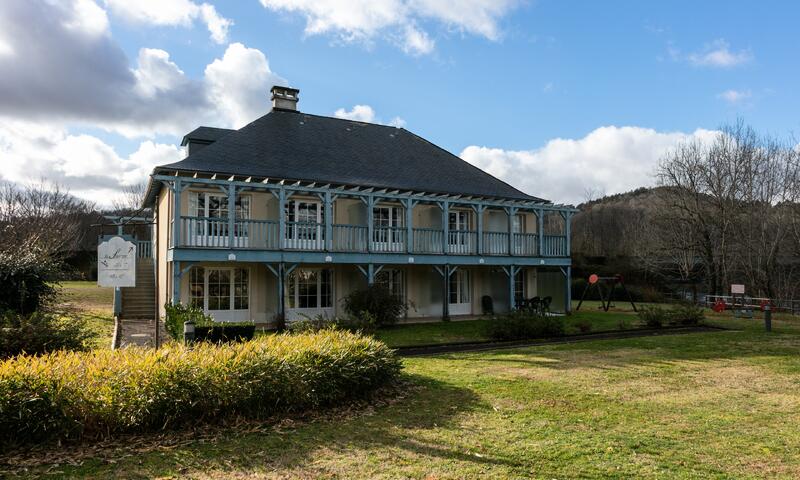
764,303
719,306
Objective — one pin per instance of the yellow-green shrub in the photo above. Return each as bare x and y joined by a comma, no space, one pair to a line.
99,393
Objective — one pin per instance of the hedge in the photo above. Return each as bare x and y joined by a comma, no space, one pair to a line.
71,395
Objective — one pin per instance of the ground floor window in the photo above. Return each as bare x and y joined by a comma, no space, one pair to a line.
392,279
460,287
310,288
219,288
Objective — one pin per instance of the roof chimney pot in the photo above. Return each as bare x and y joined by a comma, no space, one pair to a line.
285,98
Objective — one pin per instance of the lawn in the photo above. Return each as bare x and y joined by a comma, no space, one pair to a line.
94,304
711,405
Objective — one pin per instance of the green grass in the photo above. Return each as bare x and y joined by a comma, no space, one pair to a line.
710,405
92,303
407,335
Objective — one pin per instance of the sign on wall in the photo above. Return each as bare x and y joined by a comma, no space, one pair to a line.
116,263
737,289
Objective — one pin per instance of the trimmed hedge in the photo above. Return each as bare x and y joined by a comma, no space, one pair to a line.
521,325
69,395
682,314
222,332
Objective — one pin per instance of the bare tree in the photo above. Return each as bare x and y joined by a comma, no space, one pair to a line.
41,216
131,199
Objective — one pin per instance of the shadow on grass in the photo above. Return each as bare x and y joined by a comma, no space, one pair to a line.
290,446
660,350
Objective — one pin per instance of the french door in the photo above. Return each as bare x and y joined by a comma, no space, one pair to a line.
459,239
208,225
304,229
387,232
460,301
309,292
222,292
518,227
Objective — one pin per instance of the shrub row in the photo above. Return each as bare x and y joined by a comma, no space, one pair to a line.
681,314
93,394
520,325
40,332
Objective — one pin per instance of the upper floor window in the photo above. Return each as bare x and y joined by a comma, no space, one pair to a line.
518,223
215,205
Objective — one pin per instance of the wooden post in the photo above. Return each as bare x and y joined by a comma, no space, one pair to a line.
370,221
568,232
446,291
176,282
281,295
328,222
568,293
479,214
409,223
370,274
231,216
540,230
512,273
176,214
445,227
281,219
511,211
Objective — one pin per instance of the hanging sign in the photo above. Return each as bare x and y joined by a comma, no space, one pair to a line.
737,289
116,262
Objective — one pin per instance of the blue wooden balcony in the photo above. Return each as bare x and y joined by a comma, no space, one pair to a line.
215,232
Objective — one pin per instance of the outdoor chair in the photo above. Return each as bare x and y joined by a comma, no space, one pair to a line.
545,305
487,304
533,304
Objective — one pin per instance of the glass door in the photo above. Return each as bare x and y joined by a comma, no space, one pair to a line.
209,220
459,236
304,225
460,301
387,233
309,293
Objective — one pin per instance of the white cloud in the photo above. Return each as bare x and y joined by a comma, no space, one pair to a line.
365,113
719,54
735,96
238,84
359,113
181,13
610,159
397,20
84,164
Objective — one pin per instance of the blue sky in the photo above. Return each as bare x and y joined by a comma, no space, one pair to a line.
558,98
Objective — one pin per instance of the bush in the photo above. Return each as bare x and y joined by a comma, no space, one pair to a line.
225,332
520,325
178,313
584,326
363,323
41,332
681,314
26,279
377,301
69,395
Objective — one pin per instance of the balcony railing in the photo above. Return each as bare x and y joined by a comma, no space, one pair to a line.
214,232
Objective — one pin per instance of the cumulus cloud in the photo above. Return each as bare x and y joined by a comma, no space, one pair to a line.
610,159
172,13
397,20
365,113
719,54
74,72
735,96
87,166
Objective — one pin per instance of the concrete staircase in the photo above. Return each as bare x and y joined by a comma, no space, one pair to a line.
136,322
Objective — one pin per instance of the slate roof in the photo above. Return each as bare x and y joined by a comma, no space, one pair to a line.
300,146
205,134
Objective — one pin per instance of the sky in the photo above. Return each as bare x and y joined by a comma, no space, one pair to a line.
564,100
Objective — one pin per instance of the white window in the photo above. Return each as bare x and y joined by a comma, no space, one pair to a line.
520,281
304,224
310,289
223,292
208,222
459,235
518,223
392,279
387,232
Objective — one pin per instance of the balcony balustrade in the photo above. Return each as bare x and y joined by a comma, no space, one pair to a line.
214,232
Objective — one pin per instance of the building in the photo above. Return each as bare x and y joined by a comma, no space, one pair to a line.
284,217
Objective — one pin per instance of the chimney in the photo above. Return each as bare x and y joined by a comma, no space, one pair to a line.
284,98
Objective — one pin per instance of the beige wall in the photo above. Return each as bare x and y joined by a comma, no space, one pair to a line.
162,245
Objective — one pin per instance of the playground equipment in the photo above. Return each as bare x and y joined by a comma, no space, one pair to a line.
598,283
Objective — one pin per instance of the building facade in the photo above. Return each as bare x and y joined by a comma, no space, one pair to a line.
283,218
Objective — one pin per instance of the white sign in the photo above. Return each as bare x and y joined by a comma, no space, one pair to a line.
737,289
116,263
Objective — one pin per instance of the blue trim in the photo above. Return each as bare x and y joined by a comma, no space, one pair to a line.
272,256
